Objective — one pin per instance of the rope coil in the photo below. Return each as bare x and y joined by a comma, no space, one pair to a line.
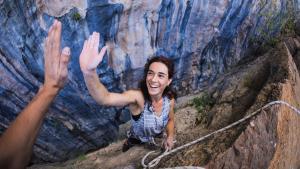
156,160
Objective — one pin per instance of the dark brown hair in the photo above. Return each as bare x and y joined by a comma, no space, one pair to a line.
169,92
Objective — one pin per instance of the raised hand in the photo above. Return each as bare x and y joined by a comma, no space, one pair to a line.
17,141
90,57
56,62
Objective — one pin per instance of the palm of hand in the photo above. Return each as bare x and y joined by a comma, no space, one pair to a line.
56,63
90,57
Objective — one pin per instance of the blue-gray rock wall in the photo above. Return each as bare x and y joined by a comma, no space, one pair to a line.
204,38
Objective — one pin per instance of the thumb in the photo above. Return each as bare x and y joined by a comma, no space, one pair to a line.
65,55
64,60
101,54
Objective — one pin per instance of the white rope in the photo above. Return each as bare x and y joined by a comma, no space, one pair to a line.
155,161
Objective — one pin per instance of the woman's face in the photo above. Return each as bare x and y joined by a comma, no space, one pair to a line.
157,79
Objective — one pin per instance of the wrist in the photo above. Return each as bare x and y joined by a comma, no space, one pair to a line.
170,137
89,73
49,90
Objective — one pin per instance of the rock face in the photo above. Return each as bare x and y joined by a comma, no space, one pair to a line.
268,140
204,38
271,139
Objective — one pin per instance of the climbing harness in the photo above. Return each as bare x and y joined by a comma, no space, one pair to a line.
156,160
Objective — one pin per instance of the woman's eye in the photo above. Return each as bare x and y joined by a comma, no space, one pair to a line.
161,76
150,73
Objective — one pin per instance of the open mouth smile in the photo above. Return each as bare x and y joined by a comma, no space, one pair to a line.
153,86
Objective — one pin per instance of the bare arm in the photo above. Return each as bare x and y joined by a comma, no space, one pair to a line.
170,127
102,96
89,60
17,141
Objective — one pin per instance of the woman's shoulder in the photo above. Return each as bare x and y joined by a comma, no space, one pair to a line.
171,101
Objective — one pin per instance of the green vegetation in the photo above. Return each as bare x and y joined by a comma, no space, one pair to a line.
273,41
203,104
268,35
288,27
76,16
81,157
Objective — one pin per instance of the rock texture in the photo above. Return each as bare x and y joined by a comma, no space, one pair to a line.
204,38
269,140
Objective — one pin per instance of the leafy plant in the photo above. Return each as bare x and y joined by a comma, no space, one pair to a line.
82,157
267,35
76,16
289,26
203,104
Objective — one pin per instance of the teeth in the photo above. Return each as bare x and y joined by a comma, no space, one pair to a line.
153,86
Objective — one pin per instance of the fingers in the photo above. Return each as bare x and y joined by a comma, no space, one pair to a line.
90,57
89,42
83,51
169,143
95,41
47,44
85,45
46,50
57,34
56,41
50,32
52,45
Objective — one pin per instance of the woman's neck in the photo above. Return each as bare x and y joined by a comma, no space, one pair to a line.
156,99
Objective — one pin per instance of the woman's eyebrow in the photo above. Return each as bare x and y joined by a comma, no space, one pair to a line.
161,73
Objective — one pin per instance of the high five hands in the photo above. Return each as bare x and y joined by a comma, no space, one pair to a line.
90,57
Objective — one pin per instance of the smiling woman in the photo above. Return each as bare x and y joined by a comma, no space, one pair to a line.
157,70
152,107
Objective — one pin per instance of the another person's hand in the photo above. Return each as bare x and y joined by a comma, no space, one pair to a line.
90,57
56,61
17,141
169,143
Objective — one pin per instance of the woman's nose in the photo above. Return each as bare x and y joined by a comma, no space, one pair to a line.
154,78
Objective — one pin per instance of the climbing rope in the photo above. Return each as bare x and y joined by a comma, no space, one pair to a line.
155,161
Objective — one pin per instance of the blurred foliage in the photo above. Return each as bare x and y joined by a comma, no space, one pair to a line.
76,16
270,33
203,104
